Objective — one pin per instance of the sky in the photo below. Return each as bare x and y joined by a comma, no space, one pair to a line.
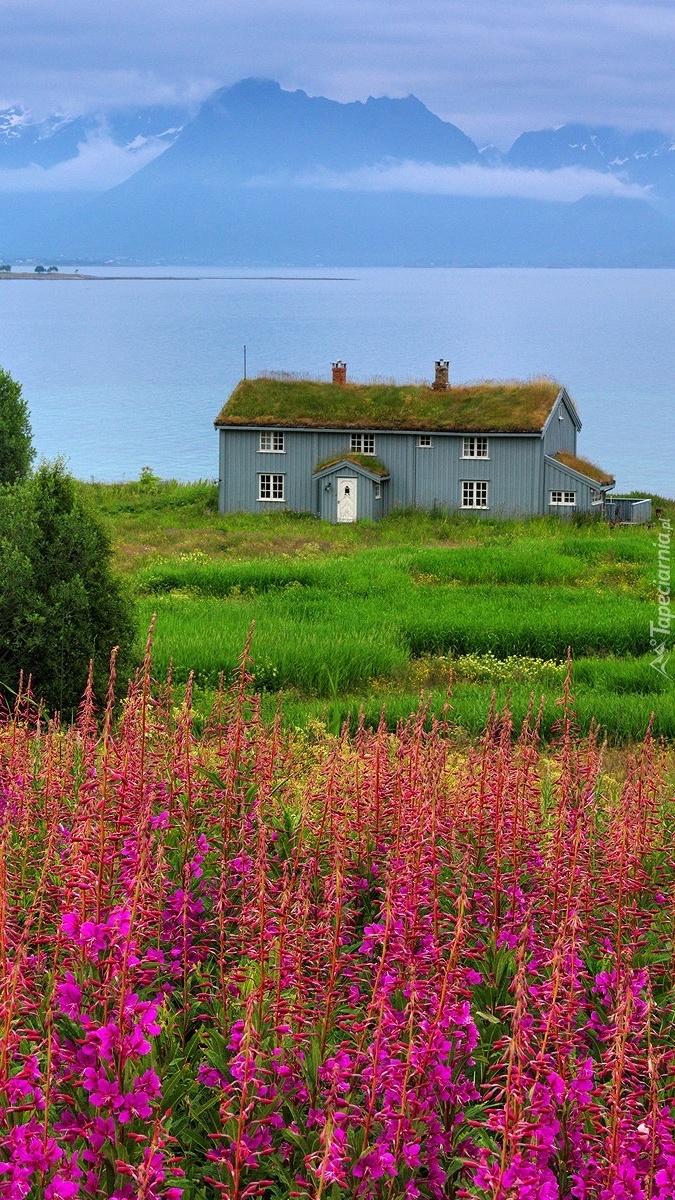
493,67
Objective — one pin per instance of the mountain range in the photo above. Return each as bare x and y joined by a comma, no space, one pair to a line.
261,176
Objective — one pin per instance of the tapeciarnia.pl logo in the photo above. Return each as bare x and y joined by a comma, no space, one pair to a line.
660,630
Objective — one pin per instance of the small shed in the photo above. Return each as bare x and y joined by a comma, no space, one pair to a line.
349,490
627,510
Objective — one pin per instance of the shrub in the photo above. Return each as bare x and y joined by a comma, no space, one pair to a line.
60,605
16,447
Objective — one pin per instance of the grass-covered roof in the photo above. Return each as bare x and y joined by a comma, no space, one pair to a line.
367,461
585,467
487,407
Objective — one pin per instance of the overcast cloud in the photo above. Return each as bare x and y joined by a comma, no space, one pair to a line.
494,67
567,184
99,164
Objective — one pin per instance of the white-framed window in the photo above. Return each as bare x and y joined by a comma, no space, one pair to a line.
362,443
474,493
271,487
568,498
272,442
378,491
475,447
424,441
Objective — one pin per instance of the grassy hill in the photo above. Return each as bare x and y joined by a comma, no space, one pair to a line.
352,617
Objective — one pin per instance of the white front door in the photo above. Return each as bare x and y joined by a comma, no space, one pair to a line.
346,499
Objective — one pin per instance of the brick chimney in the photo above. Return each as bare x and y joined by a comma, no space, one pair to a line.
339,372
441,377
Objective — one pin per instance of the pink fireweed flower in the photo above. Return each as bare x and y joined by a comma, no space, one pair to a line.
581,1088
665,1179
108,1039
195,864
65,1183
411,1155
30,1150
373,936
337,1071
209,1076
373,1165
138,1102
332,1167
93,936
236,1035
69,996
103,1092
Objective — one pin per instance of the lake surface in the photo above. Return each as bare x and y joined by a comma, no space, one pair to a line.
125,373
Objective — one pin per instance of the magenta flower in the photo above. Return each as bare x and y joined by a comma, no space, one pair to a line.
108,1038
209,1076
103,1092
60,1188
138,1102
69,996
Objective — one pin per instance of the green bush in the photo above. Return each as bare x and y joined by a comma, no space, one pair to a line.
16,447
60,604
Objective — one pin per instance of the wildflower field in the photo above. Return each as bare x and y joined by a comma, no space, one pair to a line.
253,962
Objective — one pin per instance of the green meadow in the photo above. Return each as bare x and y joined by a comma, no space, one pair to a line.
349,619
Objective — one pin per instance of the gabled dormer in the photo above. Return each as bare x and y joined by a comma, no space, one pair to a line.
561,426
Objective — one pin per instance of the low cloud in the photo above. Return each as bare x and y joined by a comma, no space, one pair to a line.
98,165
567,184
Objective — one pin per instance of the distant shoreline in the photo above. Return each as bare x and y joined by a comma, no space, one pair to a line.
175,278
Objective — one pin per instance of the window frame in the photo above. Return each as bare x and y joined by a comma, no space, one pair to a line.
274,435
273,477
470,486
470,440
357,444
424,441
564,502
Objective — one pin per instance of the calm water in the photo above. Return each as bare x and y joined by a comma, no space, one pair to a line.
126,373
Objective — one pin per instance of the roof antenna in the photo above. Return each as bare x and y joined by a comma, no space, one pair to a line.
244,362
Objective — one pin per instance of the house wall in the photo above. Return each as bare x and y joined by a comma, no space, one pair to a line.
513,472
419,477
557,478
560,434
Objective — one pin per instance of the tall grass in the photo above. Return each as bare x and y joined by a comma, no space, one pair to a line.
620,718
308,633
298,641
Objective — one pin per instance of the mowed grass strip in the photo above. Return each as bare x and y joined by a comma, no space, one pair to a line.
368,571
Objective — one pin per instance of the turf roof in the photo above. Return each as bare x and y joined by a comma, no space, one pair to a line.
367,461
585,467
488,407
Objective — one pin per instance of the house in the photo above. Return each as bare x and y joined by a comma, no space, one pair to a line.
346,451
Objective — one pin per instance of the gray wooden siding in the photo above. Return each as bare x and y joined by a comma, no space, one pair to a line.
419,477
560,434
559,478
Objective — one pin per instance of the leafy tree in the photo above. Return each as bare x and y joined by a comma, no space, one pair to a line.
60,604
16,446
39,270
